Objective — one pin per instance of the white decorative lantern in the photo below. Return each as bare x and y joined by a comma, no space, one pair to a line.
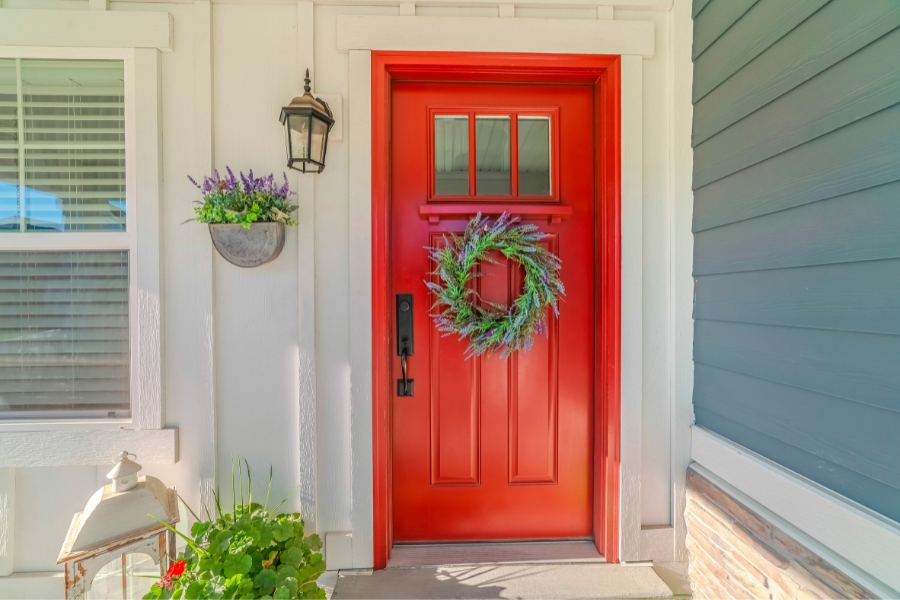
115,522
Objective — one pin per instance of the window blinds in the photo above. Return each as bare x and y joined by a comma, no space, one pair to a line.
64,333
62,145
64,314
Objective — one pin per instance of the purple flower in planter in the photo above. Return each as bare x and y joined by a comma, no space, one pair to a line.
231,182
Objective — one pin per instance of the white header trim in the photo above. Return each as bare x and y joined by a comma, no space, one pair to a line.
476,34
91,28
853,532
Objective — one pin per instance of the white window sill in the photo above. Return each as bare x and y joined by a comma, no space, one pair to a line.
84,446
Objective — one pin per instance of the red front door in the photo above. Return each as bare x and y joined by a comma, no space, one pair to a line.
489,448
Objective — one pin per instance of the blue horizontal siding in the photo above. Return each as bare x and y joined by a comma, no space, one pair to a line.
863,297
829,36
861,226
849,159
858,86
797,237
851,438
847,482
715,20
862,367
765,23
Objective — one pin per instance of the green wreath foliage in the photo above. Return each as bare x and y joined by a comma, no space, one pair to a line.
492,327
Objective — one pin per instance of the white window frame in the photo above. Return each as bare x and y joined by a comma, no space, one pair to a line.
94,441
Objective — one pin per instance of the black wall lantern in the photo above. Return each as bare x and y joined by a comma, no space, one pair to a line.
307,121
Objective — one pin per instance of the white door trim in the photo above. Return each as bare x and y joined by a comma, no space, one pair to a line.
382,31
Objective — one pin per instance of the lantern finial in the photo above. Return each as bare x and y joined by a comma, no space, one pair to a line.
124,474
306,81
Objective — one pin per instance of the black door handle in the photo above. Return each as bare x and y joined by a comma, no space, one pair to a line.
405,342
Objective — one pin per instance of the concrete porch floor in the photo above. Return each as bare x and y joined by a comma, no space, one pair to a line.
522,581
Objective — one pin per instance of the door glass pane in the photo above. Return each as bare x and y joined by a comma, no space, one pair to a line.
451,156
64,348
534,156
492,176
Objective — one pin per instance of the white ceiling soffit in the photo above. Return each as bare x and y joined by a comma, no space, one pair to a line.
85,28
475,34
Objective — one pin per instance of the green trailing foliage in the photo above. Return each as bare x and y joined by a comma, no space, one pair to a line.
250,552
492,327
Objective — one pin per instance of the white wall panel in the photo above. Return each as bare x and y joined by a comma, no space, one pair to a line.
46,500
655,434
257,367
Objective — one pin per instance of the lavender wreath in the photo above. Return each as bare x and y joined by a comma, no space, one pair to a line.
492,327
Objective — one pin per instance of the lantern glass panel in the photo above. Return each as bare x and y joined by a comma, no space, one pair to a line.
317,141
298,130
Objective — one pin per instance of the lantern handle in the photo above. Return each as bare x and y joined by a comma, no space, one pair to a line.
124,455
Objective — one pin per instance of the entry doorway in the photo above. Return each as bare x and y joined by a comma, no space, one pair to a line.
490,448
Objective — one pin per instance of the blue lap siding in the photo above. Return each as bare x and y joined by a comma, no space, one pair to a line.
797,236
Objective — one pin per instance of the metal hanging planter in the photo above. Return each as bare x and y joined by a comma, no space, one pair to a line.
243,247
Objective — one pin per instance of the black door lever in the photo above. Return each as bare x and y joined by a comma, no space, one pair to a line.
405,342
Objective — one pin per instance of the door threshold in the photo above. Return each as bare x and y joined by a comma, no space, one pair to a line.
488,553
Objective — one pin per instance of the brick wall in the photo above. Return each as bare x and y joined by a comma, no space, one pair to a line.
735,553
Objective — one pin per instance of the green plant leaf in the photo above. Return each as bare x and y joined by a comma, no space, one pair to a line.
282,593
237,565
314,542
265,580
195,590
282,531
292,556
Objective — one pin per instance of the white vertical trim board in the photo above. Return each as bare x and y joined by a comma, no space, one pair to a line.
390,33
361,306
147,408
856,540
7,521
473,34
86,28
632,387
306,448
682,259
205,438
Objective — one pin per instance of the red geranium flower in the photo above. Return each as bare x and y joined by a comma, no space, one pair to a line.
176,569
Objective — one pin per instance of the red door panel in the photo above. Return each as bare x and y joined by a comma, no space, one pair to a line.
492,448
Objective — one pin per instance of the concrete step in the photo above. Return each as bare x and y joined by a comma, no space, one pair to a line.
522,581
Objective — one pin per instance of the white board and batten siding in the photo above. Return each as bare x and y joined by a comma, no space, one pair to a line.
269,362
